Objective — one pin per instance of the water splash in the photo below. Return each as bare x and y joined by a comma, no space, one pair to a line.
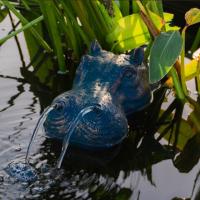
21,171
24,171
35,131
71,128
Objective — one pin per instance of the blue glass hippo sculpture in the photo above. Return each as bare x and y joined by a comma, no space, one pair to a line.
115,86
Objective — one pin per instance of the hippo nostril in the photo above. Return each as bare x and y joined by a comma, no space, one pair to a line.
97,109
59,106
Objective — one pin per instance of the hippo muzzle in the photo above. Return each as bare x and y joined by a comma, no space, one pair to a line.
107,88
104,125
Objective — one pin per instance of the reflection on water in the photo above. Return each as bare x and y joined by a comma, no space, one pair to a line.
140,168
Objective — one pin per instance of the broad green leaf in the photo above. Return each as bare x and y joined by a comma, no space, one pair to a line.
3,12
130,43
192,16
163,54
127,27
131,32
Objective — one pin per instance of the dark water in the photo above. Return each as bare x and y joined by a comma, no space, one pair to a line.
142,171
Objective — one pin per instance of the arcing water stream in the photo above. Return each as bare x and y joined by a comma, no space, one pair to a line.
23,171
71,129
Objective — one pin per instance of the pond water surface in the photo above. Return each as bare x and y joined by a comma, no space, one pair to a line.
120,173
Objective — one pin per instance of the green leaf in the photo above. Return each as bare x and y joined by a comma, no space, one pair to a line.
163,54
192,16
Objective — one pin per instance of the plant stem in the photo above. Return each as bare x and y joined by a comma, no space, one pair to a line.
177,85
14,33
124,7
135,7
48,10
142,8
74,21
96,20
147,20
26,5
25,21
79,9
182,75
156,7
198,77
66,25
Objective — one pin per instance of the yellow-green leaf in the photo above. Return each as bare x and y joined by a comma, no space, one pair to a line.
168,17
192,16
171,28
191,69
131,32
131,43
127,27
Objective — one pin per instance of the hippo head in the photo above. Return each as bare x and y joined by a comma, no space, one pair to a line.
107,88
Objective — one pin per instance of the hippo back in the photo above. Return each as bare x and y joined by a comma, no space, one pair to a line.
124,76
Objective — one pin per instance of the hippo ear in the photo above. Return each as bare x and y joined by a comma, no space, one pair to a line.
137,56
95,48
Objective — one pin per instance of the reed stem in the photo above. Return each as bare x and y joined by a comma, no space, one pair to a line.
48,9
24,22
25,27
182,75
